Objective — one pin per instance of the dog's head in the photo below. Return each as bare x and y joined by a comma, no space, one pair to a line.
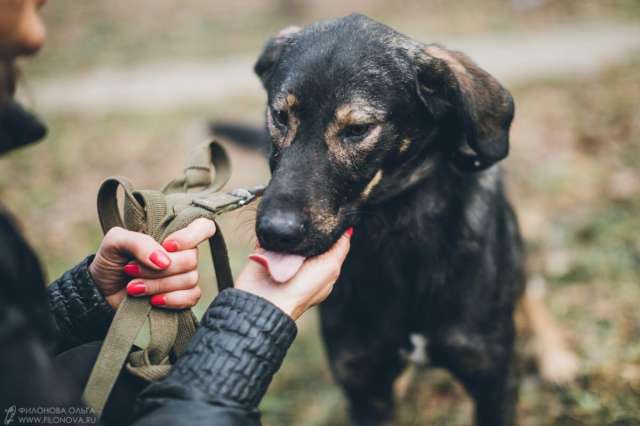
358,112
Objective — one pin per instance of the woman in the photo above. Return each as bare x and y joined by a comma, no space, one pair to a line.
229,363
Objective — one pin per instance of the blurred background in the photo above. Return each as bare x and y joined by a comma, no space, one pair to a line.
127,87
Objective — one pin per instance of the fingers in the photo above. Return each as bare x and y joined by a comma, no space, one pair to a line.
145,249
191,236
182,261
175,292
180,299
148,287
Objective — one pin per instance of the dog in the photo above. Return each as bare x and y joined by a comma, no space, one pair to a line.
401,140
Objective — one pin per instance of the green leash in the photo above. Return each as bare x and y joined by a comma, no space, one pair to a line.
158,214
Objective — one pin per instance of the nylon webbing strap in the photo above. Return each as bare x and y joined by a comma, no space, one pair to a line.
158,214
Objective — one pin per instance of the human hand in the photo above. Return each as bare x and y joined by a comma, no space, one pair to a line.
132,263
311,285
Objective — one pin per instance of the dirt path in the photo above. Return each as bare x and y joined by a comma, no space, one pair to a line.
576,49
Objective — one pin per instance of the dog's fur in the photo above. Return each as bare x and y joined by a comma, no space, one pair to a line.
400,140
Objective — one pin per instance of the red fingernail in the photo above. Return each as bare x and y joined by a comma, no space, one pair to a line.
131,269
349,232
160,259
158,300
136,288
259,259
170,246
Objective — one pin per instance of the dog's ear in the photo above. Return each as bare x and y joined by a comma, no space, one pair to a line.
475,107
271,53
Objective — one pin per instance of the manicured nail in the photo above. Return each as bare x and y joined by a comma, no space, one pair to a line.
170,246
131,269
158,300
160,259
260,260
136,288
349,232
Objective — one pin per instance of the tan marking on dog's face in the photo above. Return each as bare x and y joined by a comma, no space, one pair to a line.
372,184
322,217
283,137
356,112
404,145
291,100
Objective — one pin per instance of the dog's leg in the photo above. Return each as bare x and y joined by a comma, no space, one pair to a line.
556,362
484,364
365,368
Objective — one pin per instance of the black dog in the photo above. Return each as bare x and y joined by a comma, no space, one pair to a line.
400,139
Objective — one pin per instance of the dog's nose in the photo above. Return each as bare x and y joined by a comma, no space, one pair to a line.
281,230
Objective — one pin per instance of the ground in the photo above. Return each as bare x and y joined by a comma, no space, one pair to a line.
573,174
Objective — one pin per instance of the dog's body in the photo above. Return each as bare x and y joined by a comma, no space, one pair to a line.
374,130
451,276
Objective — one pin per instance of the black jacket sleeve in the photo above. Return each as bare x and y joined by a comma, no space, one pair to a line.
227,367
80,312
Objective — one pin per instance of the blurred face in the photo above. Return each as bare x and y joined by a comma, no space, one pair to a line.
22,32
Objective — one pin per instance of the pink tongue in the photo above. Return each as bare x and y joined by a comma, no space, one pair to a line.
281,266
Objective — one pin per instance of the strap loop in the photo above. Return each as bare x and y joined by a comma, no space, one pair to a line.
158,214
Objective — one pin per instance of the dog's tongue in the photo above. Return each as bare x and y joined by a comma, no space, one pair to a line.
281,266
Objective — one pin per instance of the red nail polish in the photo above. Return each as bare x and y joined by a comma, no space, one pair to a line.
160,259
259,259
349,232
158,300
131,269
170,246
136,288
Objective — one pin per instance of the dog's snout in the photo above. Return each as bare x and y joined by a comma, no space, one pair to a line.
281,230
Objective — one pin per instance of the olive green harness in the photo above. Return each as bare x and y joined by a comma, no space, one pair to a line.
158,214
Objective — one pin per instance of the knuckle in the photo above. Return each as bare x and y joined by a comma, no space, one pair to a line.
191,260
147,239
197,293
152,287
193,277
114,234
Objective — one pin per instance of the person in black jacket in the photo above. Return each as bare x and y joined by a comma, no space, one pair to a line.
228,365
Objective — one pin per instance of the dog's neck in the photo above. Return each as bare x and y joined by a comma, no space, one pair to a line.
438,204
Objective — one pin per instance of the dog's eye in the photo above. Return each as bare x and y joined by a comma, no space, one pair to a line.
281,118
355,132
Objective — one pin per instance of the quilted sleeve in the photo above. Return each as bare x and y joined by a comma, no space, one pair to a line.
228,365
81,314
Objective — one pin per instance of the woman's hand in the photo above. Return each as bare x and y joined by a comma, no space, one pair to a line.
310,286
133,263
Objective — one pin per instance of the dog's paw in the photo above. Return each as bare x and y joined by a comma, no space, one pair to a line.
558,365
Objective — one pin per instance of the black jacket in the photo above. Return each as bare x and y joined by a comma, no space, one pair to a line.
220,379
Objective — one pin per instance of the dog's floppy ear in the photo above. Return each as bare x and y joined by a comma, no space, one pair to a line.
471,102
271,53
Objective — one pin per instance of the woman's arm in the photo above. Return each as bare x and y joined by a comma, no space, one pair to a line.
81,313
227,368
243,338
